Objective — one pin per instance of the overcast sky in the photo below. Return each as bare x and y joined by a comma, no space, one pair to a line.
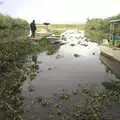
60,11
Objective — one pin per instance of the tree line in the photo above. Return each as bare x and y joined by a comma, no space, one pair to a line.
98,29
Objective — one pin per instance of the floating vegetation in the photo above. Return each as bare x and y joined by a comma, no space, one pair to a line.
59,56
75,91
44,102
79,42
39,62
72,44
50,53
31,88
39,99
95,105
84,44
49,69
76,55
62,44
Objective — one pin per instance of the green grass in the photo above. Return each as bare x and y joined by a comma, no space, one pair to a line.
67,26
11,28
59,28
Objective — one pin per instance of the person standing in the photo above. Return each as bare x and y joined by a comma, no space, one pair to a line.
33,28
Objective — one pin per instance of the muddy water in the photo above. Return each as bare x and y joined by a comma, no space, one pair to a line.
76,62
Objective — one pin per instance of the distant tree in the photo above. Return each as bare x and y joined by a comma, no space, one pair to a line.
97,29
97,25
46,23
114,17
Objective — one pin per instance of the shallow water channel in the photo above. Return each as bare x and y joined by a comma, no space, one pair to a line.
77,62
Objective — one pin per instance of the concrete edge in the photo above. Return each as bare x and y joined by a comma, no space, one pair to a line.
106,54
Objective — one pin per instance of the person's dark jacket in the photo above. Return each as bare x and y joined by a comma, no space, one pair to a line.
33,26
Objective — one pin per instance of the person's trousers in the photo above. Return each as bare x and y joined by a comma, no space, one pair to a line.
33,34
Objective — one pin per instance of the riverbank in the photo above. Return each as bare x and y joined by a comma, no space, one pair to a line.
18,64
112,53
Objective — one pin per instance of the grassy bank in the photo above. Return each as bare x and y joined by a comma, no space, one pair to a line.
18,56
18,60
60,28
11,28
67,26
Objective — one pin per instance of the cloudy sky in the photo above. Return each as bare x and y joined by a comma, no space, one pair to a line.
60,11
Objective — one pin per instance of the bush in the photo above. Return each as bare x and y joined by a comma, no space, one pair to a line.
12,28
97,29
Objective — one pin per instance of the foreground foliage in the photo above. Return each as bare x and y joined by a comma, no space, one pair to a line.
18,62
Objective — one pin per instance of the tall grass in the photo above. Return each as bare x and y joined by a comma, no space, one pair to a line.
67,26
11,28
59,28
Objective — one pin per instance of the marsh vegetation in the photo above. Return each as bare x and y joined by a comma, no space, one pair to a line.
54,81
